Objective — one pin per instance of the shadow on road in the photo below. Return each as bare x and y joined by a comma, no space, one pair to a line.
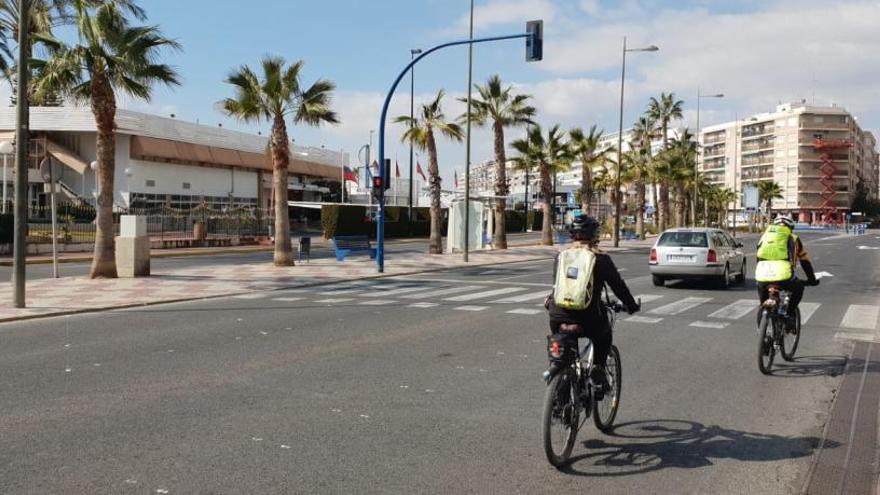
645,446
809,366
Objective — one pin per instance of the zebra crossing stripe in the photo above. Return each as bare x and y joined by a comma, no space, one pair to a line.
422,305
864,337
377,302
531,296
334,300
710,324
394,292
736,310
443,292
471,308
681,306
807,310
646,298
249,296
643,319
524,311
287,299
483,295
861,316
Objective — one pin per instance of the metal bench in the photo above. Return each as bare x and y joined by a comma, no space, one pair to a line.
347,244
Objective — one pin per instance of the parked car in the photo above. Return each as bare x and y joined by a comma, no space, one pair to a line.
697,253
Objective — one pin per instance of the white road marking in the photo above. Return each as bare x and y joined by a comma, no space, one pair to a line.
524,297
249,296
422,305
394,292
340,292
681,306
807,310
861,316
334,300
643,319
485,294
471,308
871,248
736,310
524,311
443,292
820,275
377,302
646,298
495,282
864,337
283,446
287,299
710,324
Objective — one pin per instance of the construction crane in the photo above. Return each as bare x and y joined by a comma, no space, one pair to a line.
827,148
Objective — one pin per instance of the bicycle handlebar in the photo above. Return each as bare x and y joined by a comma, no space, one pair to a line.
618,306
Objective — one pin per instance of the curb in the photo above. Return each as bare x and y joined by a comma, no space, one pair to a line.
79,311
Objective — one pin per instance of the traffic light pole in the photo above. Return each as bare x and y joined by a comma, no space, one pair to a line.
380,213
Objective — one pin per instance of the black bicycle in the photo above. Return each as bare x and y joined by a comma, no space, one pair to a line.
571,395
778,331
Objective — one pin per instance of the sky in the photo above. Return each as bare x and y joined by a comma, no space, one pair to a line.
759,53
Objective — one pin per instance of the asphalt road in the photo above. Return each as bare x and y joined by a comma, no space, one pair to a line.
41,271
338,390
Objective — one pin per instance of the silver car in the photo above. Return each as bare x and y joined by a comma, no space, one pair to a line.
697,253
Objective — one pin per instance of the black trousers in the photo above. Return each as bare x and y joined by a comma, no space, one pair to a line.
597,331
795,286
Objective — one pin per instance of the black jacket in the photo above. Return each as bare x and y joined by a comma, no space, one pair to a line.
604,273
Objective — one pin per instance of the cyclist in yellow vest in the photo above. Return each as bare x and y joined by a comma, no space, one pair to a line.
779,252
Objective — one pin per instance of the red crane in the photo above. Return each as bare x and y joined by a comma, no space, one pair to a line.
826,148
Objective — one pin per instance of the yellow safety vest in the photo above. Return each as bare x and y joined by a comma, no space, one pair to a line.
775,262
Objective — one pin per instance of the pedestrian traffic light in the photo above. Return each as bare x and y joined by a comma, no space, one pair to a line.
535,41
386,174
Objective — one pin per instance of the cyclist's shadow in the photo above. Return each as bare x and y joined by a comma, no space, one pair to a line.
643,446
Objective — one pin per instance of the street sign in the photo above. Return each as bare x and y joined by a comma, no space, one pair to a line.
750,198
50,170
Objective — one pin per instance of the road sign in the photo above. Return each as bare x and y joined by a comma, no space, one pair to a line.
50,170
751,198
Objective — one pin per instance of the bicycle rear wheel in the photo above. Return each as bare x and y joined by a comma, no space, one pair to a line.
791,339
605,410
561,417
766,349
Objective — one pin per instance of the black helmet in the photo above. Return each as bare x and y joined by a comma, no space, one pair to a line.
584,227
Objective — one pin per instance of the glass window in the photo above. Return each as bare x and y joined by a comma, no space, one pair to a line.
151,183
683,239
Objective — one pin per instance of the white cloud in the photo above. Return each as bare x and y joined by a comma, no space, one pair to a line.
501,12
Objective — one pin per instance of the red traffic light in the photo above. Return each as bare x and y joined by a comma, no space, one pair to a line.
377,182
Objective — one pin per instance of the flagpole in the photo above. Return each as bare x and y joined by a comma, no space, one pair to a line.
342,168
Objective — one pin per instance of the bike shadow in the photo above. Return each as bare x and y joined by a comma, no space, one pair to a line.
809,367
644,446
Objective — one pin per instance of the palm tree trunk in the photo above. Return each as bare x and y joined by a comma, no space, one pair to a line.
664,206
103,103
435,242
679,204
586,187
546,193
280,161
501,189
640,206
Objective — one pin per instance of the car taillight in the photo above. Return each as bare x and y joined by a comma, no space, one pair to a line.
712,257
653,258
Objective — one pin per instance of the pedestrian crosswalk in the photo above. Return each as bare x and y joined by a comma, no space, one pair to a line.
705,311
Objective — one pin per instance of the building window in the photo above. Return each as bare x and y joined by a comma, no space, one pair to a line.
151,183
186,185
819,119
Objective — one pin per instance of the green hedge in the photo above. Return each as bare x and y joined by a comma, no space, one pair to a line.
515,220
344,220
7,225
536,219
352,220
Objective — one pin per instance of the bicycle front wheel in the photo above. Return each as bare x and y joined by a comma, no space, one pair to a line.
561,417
791,338
766,349
605,410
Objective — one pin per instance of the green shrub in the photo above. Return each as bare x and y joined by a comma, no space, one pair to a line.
515,219
344,220
536,219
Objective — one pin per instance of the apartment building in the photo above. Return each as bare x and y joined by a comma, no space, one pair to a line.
792,147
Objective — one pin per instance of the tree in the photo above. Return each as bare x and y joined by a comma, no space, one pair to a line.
549,155
500,107
109,56
642,134
421,134
279,95
588,149
663,110
769,190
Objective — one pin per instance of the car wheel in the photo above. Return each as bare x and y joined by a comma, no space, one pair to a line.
724,281
658,280
741,278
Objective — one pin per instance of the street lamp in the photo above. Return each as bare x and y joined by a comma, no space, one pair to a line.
412,90
700,96
467,153
6,149
651,48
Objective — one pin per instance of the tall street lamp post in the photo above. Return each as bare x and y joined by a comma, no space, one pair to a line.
700,96
467,157
651,48
22,133
412,95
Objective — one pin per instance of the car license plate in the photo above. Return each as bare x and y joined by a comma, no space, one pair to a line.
679,258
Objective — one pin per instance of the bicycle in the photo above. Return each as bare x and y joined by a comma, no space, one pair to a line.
775,331
570,391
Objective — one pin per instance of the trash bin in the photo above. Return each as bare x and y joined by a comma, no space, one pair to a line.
305,247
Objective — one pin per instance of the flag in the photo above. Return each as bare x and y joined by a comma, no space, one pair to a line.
396,169
420,171
455,178
348,174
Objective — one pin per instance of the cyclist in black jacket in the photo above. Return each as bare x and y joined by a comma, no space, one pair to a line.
593,320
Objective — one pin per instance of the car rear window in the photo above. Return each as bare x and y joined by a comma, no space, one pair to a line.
683,239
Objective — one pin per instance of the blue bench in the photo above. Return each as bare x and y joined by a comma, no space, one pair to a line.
347,244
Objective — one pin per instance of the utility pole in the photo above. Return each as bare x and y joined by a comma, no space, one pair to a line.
22,129
412,90
467,158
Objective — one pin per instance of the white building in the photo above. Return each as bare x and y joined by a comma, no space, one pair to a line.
162,161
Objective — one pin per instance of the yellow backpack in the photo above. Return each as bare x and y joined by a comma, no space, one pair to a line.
774,259
573,288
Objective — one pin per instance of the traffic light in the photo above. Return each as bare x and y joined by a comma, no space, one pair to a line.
378,191
535,41
386,175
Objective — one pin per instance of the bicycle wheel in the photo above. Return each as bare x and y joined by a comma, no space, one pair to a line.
766,349
560,417
791,339
605,410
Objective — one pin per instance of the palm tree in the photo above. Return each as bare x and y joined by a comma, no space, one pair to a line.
278,96
549,155
588,149
769,190
498,105
663,111
722,198
421,134
109,56
642,133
